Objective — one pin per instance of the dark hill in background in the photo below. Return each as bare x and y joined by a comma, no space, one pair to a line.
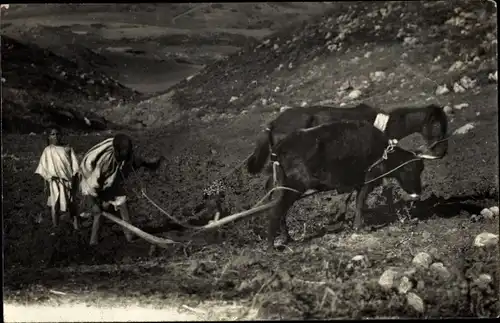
40,88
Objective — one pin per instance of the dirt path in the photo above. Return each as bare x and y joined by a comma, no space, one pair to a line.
36,313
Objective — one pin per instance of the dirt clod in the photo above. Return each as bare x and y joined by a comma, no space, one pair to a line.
415,302
422,260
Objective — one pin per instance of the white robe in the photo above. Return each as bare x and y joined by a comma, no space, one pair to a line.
61,163
100,163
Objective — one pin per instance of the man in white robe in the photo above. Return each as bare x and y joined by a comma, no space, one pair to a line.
58,166
102,171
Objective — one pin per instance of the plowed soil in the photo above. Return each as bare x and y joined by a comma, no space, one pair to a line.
228,275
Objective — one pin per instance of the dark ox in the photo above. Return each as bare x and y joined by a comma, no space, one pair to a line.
341,156
430,121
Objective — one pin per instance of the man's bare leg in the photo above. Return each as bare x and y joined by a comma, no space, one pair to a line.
124,213
96,225
54,210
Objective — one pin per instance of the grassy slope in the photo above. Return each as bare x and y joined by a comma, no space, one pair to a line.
291,283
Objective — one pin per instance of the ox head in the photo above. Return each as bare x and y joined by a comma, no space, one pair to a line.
404,166
434,131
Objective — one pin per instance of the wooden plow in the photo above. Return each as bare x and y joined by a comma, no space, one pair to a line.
165,242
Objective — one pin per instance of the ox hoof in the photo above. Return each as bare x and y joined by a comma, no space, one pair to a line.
357,227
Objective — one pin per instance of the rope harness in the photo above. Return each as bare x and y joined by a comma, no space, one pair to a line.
275,165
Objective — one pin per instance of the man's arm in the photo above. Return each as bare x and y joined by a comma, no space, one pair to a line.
138,162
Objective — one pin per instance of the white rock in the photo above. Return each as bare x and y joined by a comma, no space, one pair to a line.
485,278
343,104
290,66
442,89
284,108
87,121
461,106
415,301
456,21
409,41
458,65
440,269
483,281
487,214
377,76
276,46
422,260
495,210
328,35
32,134
486,239
368,54
457,88
467,82
354,94
3,80
263,101
448,110
464,129
303,104
360,261
332,47
386,281
493,76
277,89
404,285
345,86
280,67
233,98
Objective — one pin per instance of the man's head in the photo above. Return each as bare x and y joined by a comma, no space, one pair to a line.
54,136
122,145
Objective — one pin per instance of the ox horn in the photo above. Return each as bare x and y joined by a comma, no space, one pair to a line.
426,156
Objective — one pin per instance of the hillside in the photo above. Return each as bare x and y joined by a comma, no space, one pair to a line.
40,88
421,261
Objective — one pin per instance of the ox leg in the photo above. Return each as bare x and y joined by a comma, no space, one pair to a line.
360,204
277,222
387,193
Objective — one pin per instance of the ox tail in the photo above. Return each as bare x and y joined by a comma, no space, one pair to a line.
259,156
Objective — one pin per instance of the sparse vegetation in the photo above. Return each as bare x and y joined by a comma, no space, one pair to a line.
329,272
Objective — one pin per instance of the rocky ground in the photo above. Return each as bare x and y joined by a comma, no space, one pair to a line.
421,262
